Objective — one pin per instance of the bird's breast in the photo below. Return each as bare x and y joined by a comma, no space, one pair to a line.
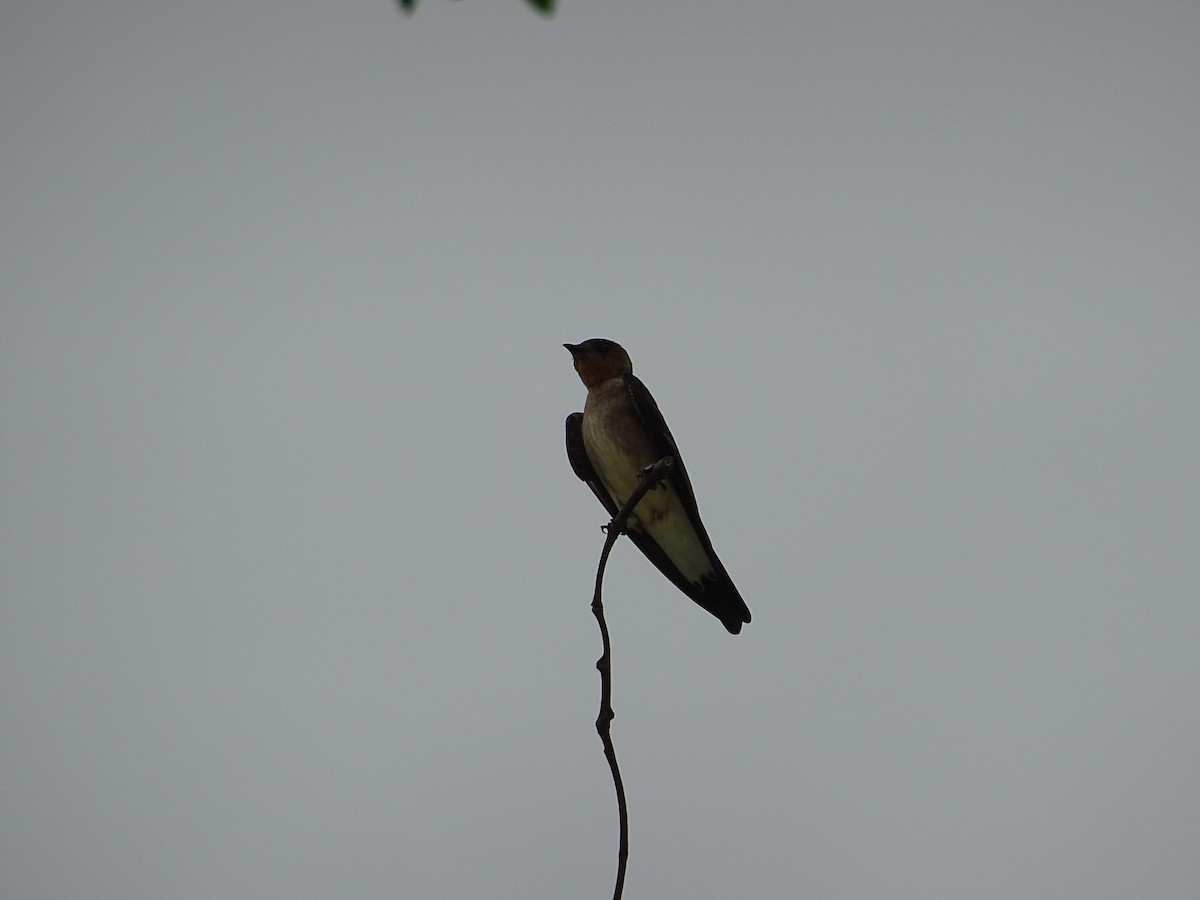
615,439
620,450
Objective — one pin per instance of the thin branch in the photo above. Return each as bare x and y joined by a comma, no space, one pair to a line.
650,478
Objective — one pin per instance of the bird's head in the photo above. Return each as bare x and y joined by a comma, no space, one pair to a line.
597,360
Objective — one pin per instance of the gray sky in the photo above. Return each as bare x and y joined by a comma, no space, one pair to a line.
295,576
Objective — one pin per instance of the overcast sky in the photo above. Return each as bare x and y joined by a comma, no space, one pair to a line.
294,574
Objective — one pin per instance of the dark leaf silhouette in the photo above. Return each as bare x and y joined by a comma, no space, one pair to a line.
545,7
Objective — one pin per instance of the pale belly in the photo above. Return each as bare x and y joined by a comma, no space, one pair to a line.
620,463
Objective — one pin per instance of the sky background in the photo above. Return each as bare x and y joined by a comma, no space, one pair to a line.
294,574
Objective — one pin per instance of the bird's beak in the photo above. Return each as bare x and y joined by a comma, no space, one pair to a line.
573,348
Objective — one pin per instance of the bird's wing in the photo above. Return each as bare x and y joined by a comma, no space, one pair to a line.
717,594
664,443
581,463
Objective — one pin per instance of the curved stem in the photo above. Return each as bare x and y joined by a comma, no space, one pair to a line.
651,477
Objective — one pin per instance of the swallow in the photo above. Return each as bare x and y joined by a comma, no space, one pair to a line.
617,436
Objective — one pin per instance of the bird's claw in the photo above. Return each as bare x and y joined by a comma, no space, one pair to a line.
646,471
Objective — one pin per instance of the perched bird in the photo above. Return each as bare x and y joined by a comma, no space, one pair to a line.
617,436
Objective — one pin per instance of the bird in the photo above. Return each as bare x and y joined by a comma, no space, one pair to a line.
610,444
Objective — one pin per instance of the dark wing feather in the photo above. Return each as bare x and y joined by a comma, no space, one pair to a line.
664,443
718,595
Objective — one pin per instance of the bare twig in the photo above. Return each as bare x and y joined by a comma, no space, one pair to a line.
650,478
